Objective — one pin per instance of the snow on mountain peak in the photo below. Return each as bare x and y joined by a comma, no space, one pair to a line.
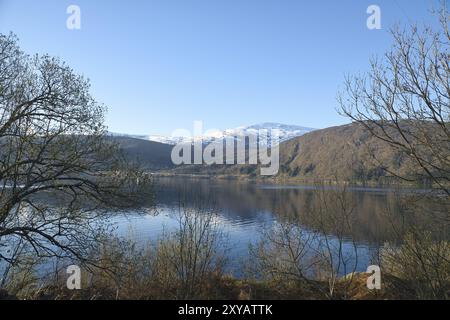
286,132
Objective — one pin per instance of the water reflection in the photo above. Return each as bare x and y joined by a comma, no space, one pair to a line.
245,208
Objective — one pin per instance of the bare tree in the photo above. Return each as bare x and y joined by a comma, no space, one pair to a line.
313,260
58,170
405,101
333,216
189,257
284,257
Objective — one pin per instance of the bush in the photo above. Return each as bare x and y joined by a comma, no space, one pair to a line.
420,266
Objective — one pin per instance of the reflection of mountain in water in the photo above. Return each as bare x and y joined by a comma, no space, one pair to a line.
376,211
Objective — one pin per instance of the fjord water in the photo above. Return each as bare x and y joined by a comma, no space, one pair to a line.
245,209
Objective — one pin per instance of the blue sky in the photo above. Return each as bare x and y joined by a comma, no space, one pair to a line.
160,65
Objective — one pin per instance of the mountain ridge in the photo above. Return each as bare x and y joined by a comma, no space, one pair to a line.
339,151
286,132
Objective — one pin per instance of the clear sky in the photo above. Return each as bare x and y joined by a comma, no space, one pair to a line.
160,65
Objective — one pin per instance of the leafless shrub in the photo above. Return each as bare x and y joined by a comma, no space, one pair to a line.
284,258
333,216
421,266
314,259
188,258
186,263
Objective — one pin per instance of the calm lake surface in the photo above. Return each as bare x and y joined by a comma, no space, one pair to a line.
244,209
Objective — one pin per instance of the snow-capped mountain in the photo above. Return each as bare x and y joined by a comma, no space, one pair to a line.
285,132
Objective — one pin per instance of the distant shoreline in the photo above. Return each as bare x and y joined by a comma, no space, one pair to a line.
292,181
